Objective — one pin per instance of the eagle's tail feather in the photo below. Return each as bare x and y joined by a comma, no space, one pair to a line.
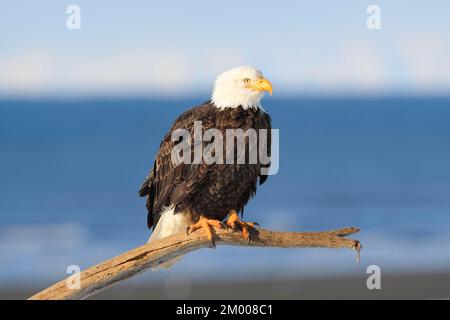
169,224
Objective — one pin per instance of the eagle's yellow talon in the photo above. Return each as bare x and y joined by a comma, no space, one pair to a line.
233,222
206,224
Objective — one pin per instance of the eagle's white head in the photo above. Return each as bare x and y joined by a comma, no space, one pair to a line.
242,86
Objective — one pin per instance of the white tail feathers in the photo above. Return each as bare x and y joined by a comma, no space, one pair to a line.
169,224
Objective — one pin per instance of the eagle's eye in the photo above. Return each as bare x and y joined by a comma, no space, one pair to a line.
246,80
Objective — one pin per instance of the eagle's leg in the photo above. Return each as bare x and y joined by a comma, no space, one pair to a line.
235,222
206,224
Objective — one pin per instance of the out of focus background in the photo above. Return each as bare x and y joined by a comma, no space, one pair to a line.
364,120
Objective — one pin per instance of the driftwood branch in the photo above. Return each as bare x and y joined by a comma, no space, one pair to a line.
132,262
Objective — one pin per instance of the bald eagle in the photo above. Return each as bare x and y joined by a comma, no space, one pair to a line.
188,196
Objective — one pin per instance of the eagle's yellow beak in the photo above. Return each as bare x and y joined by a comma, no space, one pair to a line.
262,85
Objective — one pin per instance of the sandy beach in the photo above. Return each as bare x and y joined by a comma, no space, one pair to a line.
407,286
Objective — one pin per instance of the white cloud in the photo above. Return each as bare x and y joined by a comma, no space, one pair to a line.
158,71
398,64
358,66
427,60
161,71
25,72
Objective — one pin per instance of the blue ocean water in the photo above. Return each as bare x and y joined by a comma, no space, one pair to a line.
70,172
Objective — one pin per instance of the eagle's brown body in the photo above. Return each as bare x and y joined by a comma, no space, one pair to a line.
205,190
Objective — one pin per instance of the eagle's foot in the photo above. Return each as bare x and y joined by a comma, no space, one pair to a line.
206,224
234,222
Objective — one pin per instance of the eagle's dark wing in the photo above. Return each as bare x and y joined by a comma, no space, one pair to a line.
168,183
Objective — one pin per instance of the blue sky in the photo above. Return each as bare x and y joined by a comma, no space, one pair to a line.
177,48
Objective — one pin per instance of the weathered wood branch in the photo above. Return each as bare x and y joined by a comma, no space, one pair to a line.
132,262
